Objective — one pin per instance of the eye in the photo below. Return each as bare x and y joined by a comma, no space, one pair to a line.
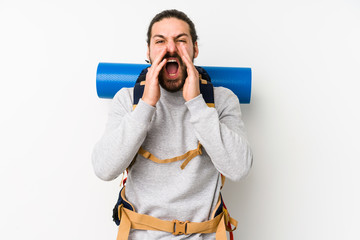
181,40
159,41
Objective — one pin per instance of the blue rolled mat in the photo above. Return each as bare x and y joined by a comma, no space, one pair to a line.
111,77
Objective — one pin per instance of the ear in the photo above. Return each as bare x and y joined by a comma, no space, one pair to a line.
148,53
196,50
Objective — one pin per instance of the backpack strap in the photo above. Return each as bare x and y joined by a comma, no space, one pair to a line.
138,92
187,156
206,87
128,218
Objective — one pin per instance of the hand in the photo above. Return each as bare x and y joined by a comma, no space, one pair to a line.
191,87
151,93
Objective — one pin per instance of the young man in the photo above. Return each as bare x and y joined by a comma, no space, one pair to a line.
170,120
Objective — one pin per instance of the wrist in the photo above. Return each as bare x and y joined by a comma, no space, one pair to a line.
189,95
150,101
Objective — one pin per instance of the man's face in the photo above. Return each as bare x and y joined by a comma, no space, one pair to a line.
171,33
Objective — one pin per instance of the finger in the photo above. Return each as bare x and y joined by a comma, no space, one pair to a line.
160,66
185,56
191,70
153,73
160,57
156,62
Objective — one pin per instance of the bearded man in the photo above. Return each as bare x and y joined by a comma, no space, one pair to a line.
167,197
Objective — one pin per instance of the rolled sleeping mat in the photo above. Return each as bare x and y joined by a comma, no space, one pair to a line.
111,77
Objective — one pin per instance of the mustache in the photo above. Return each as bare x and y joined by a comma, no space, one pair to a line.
167,55
175,55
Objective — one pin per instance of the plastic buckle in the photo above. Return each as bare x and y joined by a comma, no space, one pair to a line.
180,227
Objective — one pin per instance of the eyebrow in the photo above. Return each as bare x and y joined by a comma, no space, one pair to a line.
178,36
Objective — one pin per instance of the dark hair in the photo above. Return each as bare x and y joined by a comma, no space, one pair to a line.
173,13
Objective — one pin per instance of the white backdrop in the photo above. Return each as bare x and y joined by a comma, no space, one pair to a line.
303,120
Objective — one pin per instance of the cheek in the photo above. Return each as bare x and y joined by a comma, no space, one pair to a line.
190,50
154,52
191,53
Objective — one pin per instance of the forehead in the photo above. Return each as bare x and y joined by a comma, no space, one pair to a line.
169,27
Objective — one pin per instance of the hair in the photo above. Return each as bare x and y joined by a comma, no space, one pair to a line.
173,13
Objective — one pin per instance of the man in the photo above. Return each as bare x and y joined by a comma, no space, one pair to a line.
172,119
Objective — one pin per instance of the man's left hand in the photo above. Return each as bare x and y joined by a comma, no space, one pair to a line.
191,87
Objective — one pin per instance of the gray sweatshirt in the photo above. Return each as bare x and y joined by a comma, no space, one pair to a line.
168,130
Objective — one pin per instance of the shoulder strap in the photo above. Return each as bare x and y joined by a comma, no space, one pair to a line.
206,87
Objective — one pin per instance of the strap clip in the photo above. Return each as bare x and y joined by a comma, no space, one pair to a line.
180,227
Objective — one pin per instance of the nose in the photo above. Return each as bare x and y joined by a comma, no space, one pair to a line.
171,47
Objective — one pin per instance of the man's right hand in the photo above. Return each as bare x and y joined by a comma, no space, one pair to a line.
152,89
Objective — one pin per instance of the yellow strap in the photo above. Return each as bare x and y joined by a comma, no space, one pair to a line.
189,155
125,225
221,229
222,181
133,220
203,81
230,220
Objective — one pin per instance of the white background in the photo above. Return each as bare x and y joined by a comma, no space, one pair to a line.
303,120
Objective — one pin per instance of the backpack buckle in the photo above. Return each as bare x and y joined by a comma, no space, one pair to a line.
180,227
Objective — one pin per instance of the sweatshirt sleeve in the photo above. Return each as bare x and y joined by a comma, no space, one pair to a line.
222,133
125,132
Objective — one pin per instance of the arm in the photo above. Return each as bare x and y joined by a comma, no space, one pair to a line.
125,132
222,133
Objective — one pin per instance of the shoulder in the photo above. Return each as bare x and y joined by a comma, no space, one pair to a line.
123,98
225,96
226,102
124,94
223,90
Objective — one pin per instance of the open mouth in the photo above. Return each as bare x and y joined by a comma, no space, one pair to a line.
172,67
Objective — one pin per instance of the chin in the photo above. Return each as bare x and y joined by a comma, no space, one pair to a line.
172,85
